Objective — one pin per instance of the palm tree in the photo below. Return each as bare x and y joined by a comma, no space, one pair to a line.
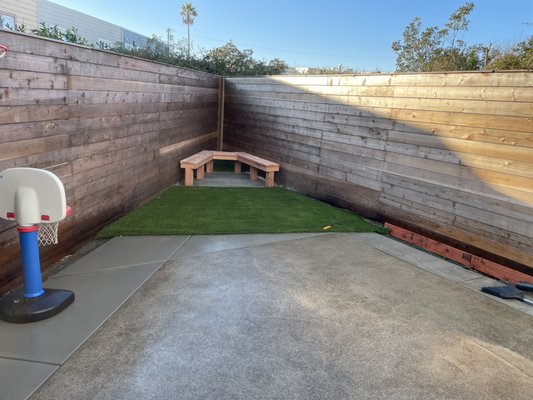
188,12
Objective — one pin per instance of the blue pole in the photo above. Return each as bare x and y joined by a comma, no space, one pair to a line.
31,265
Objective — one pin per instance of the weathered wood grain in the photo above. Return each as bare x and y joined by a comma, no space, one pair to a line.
447,152
113,128
281,91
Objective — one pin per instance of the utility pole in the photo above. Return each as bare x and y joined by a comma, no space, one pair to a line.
169,35
486,51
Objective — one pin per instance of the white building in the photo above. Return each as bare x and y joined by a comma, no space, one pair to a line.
18,12
31,13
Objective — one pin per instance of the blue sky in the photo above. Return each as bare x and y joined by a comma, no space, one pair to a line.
355,33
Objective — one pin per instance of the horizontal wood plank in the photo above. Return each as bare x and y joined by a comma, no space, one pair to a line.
452,152
462,257
111,127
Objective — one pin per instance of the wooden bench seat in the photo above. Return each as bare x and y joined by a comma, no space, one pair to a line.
256,163
203,161
225,155
195,162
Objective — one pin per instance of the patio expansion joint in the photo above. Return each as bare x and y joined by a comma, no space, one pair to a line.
474,279
177,256
116,268
462,282
52,364
179,248
412,250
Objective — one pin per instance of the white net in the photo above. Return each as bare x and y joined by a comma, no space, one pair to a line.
47,234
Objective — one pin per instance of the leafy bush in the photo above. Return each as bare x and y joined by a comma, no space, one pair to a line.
225,60
440,49
519,57
437,49
229,60
71,35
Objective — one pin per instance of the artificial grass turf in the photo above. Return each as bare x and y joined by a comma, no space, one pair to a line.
208,210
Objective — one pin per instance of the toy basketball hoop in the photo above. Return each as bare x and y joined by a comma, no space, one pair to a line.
3,51
35,199
47,234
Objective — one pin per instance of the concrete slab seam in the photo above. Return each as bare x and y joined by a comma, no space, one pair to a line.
510,303
30,361
119,267
118,306
179,248
176,256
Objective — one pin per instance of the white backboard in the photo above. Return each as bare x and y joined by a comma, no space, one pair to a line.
31,196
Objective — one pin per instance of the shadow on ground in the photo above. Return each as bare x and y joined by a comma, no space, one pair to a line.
320,317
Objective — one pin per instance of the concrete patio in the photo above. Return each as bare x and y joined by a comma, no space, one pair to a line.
294,316
299,316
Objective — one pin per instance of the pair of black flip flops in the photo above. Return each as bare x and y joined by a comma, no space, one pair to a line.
511,292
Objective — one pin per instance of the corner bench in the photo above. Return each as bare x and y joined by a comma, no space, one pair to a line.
203,161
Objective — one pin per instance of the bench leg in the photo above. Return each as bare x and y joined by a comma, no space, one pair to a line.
237,167
269,179
200,172
189,176
253,173
209,167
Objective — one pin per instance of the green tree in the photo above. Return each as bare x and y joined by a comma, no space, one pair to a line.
458,56
458,22
228,60
276,67
188,13
437,49
519,57
418,46
333,70
224,60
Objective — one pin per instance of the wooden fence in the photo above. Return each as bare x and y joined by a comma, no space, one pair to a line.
447,154
112,127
